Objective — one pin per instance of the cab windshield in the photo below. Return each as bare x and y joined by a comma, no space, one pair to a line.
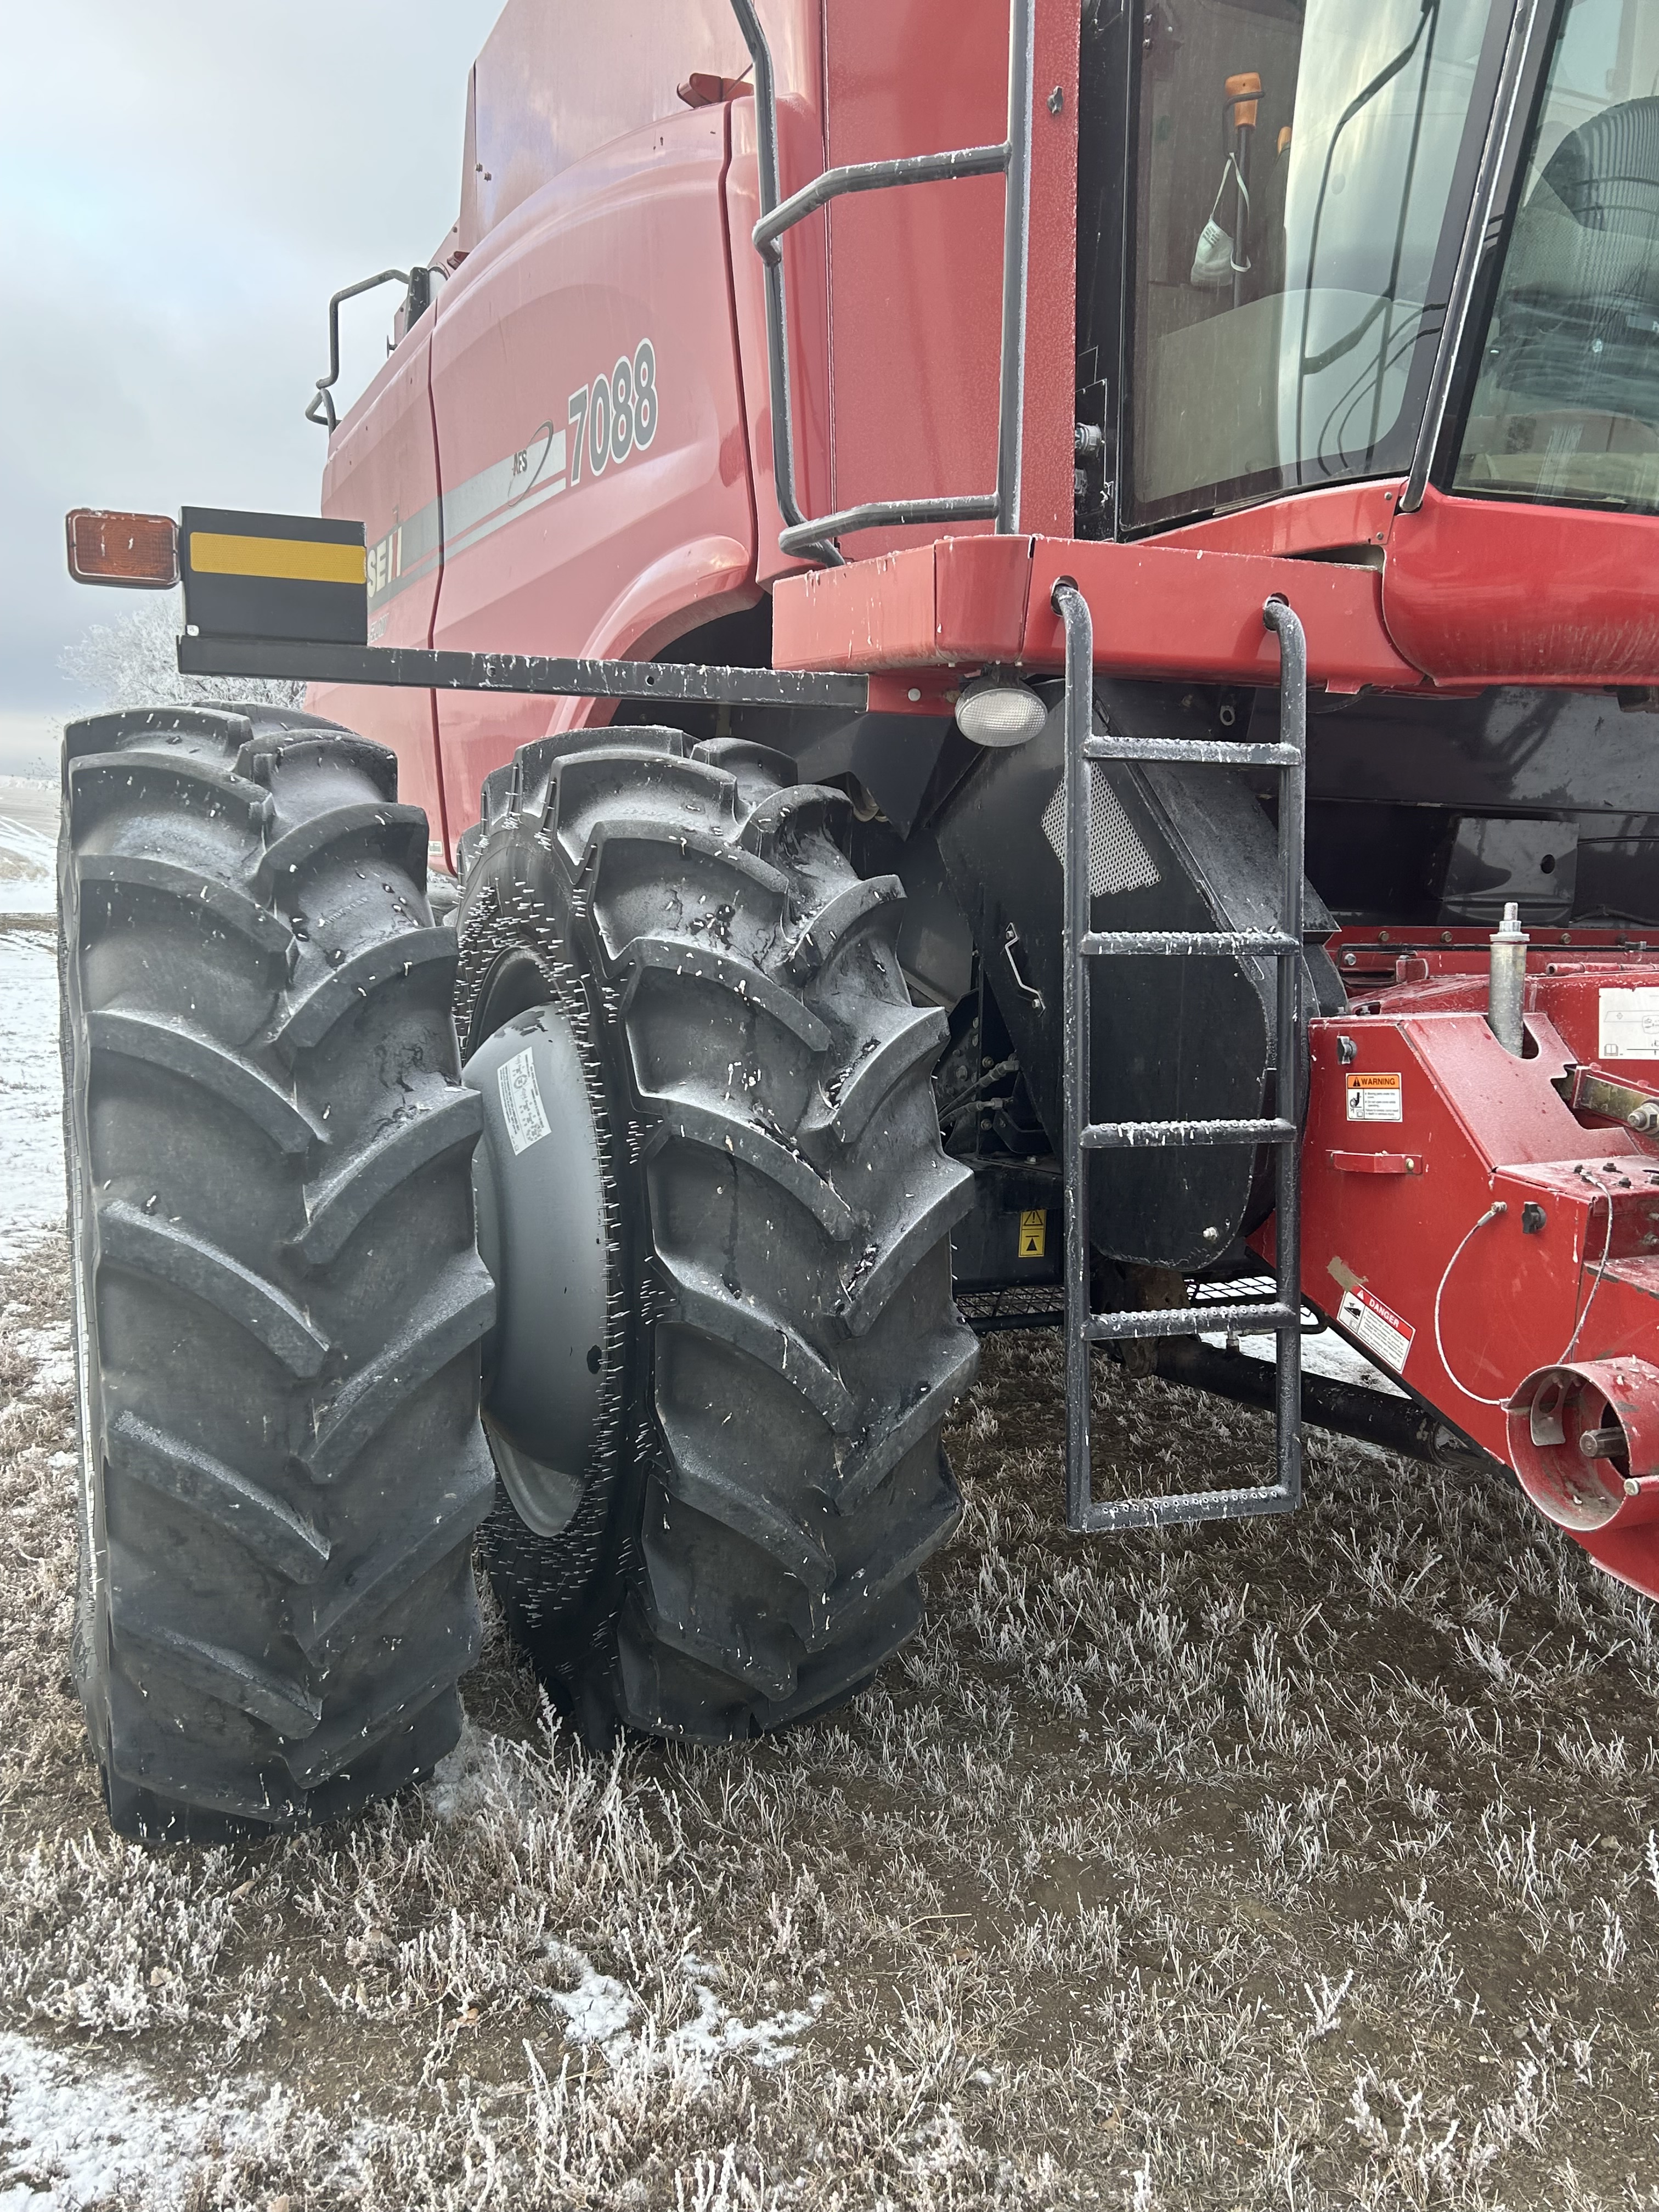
1566,402
1304,172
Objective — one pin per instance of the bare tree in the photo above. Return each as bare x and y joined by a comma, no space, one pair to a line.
131,662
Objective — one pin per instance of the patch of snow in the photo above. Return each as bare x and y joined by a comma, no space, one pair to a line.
31,1082
467,1782
31,1089
717,2033
75,2131
601,2010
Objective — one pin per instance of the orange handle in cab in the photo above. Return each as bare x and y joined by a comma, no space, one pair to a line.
1244,91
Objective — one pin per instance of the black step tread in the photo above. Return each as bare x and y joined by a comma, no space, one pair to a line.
841,921
160,1040
902,1551
270,1529
770,1526
620,831
456,1312
860,1473
283,1702
824,1680
764,1666
338,1203
100,733
702,1301
789,814
337,1744
865,1292
168,1253
397,1562
852,1100
404,843
330,746
199,893
586,783
193,772
308,1016
718,1129
690,956
191,1782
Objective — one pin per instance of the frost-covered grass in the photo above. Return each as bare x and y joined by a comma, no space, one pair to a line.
1299,1863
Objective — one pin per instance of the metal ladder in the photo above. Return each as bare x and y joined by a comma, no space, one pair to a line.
1084,1327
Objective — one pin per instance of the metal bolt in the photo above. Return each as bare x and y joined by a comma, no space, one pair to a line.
1348,960
1346,1050
1212,1236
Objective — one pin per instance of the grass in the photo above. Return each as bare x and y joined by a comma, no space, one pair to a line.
1293,1863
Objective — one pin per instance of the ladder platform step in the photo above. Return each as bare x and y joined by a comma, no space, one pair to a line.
1199,752
1179,943
1191,1321
1130,1136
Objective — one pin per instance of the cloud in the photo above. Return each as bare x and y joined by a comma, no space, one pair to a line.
183,183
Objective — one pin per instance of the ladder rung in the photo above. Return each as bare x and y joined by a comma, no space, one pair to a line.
1190,1321
1116,1516
1127,1136
1201,752
1177,943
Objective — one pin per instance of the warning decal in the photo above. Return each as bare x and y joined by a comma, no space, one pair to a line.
521,1101
1375,1099
1630,1024
1033,1235
1378,1327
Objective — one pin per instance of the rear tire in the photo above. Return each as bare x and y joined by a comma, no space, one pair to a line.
763,1476
277,1300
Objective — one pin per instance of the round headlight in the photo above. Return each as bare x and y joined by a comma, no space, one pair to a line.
1001,711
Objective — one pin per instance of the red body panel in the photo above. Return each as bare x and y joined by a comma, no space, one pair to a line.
1391,1207
383,471
1159,610
916,275
1480,591
622,559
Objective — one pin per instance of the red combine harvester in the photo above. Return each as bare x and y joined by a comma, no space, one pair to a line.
1024,640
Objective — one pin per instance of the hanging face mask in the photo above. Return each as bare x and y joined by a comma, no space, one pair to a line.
1214,263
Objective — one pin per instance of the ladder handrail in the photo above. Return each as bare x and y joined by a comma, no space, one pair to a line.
812,535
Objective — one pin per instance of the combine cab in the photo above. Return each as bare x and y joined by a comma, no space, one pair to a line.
1003,661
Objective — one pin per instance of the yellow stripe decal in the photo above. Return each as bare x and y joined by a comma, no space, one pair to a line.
297,560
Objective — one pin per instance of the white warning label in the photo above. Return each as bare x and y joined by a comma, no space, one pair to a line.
1630,1024
1378,1327
521,1101
1376,1099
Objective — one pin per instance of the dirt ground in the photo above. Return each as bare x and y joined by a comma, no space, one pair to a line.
1294,1863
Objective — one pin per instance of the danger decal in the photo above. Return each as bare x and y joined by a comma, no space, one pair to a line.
1378,1327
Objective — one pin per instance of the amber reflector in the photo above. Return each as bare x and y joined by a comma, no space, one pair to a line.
138,550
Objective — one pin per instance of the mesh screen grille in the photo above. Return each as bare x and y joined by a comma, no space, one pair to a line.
1118,861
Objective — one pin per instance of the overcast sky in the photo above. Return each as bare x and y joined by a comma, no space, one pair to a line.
182,185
